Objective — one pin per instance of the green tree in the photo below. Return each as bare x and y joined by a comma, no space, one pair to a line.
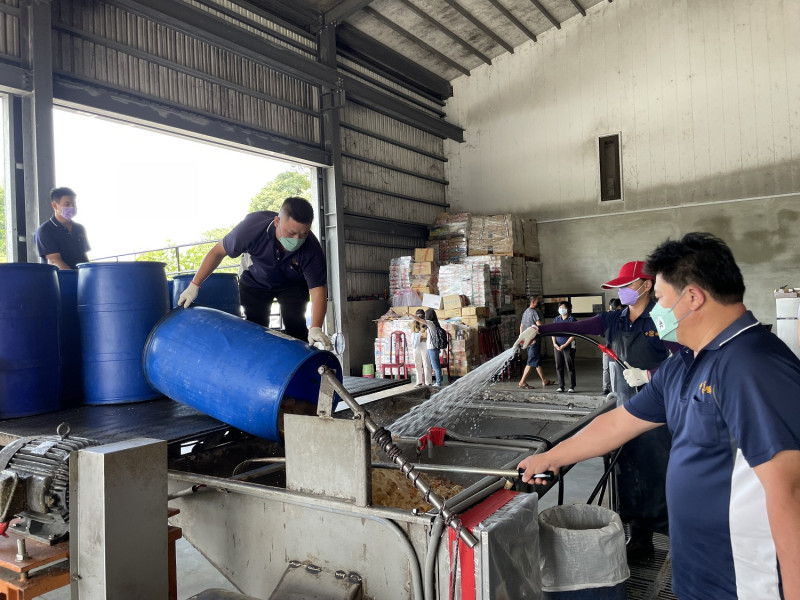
294,182
3,257
190,256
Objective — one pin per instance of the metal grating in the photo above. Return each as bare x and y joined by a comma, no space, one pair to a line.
652,579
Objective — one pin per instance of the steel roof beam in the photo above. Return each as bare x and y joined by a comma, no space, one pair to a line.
414,39
293,12
342,11
546,14
472,19
429,19
275,16
508,15
15,79
364,94
578,6
368,50
204,26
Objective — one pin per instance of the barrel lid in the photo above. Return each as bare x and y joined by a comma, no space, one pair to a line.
19,265
144,264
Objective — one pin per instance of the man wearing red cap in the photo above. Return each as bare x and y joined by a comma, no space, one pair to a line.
642,463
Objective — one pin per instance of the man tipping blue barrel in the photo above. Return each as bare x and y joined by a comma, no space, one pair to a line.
288,265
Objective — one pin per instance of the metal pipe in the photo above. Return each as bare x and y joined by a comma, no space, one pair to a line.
383,439
429,575
207,482
510,473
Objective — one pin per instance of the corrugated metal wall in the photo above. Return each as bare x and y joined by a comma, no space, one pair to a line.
9,29
99,43
391,172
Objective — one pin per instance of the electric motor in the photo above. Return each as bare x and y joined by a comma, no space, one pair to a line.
34,484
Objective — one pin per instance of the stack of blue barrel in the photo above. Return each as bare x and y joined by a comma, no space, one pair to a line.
72,336
104,334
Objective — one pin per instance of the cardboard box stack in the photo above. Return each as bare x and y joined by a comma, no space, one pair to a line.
496,234
465,350
473,268
400,280
425,271
470,280
506,277
449,236
533,278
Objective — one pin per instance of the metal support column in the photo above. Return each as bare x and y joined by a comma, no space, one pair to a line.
332,200
37,116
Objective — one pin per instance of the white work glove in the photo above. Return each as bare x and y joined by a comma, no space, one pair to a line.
189,295
635,377
526,338
316,336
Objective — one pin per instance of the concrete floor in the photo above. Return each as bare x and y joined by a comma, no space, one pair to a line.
196,574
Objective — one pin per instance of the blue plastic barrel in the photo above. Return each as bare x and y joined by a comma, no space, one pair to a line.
219,290
70,341
118,305
232,369
29,322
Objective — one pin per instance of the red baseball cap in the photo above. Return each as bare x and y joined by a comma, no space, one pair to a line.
630,272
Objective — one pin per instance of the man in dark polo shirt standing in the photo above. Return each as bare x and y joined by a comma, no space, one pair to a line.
61,241
288,265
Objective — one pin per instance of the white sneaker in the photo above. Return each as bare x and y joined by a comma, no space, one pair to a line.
560,390
436,385
570,391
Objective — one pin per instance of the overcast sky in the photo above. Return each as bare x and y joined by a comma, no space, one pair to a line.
137,188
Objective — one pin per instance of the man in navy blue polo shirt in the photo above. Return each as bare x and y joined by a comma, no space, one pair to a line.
288,265
60,240
730,400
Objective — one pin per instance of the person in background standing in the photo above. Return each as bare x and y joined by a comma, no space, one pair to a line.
60,240
422,360
564,348
531,318
434,330
608,381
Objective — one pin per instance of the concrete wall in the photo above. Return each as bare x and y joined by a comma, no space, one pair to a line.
706,96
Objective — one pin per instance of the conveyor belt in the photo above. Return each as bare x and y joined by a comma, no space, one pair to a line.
361,386
162,419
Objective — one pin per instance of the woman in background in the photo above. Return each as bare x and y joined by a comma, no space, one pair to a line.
564,348
422,360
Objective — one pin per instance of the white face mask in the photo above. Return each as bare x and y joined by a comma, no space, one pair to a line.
563,311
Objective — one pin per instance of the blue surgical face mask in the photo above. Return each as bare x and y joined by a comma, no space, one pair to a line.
292,244
562,310
665,321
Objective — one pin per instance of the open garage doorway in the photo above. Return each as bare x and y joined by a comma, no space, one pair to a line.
141,190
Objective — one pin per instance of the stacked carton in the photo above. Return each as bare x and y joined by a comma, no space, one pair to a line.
465,351
533,278
400,274
449,236
425,271
496,234
506,277
470,280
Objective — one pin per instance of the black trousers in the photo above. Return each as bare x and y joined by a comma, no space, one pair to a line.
565,357
292,300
